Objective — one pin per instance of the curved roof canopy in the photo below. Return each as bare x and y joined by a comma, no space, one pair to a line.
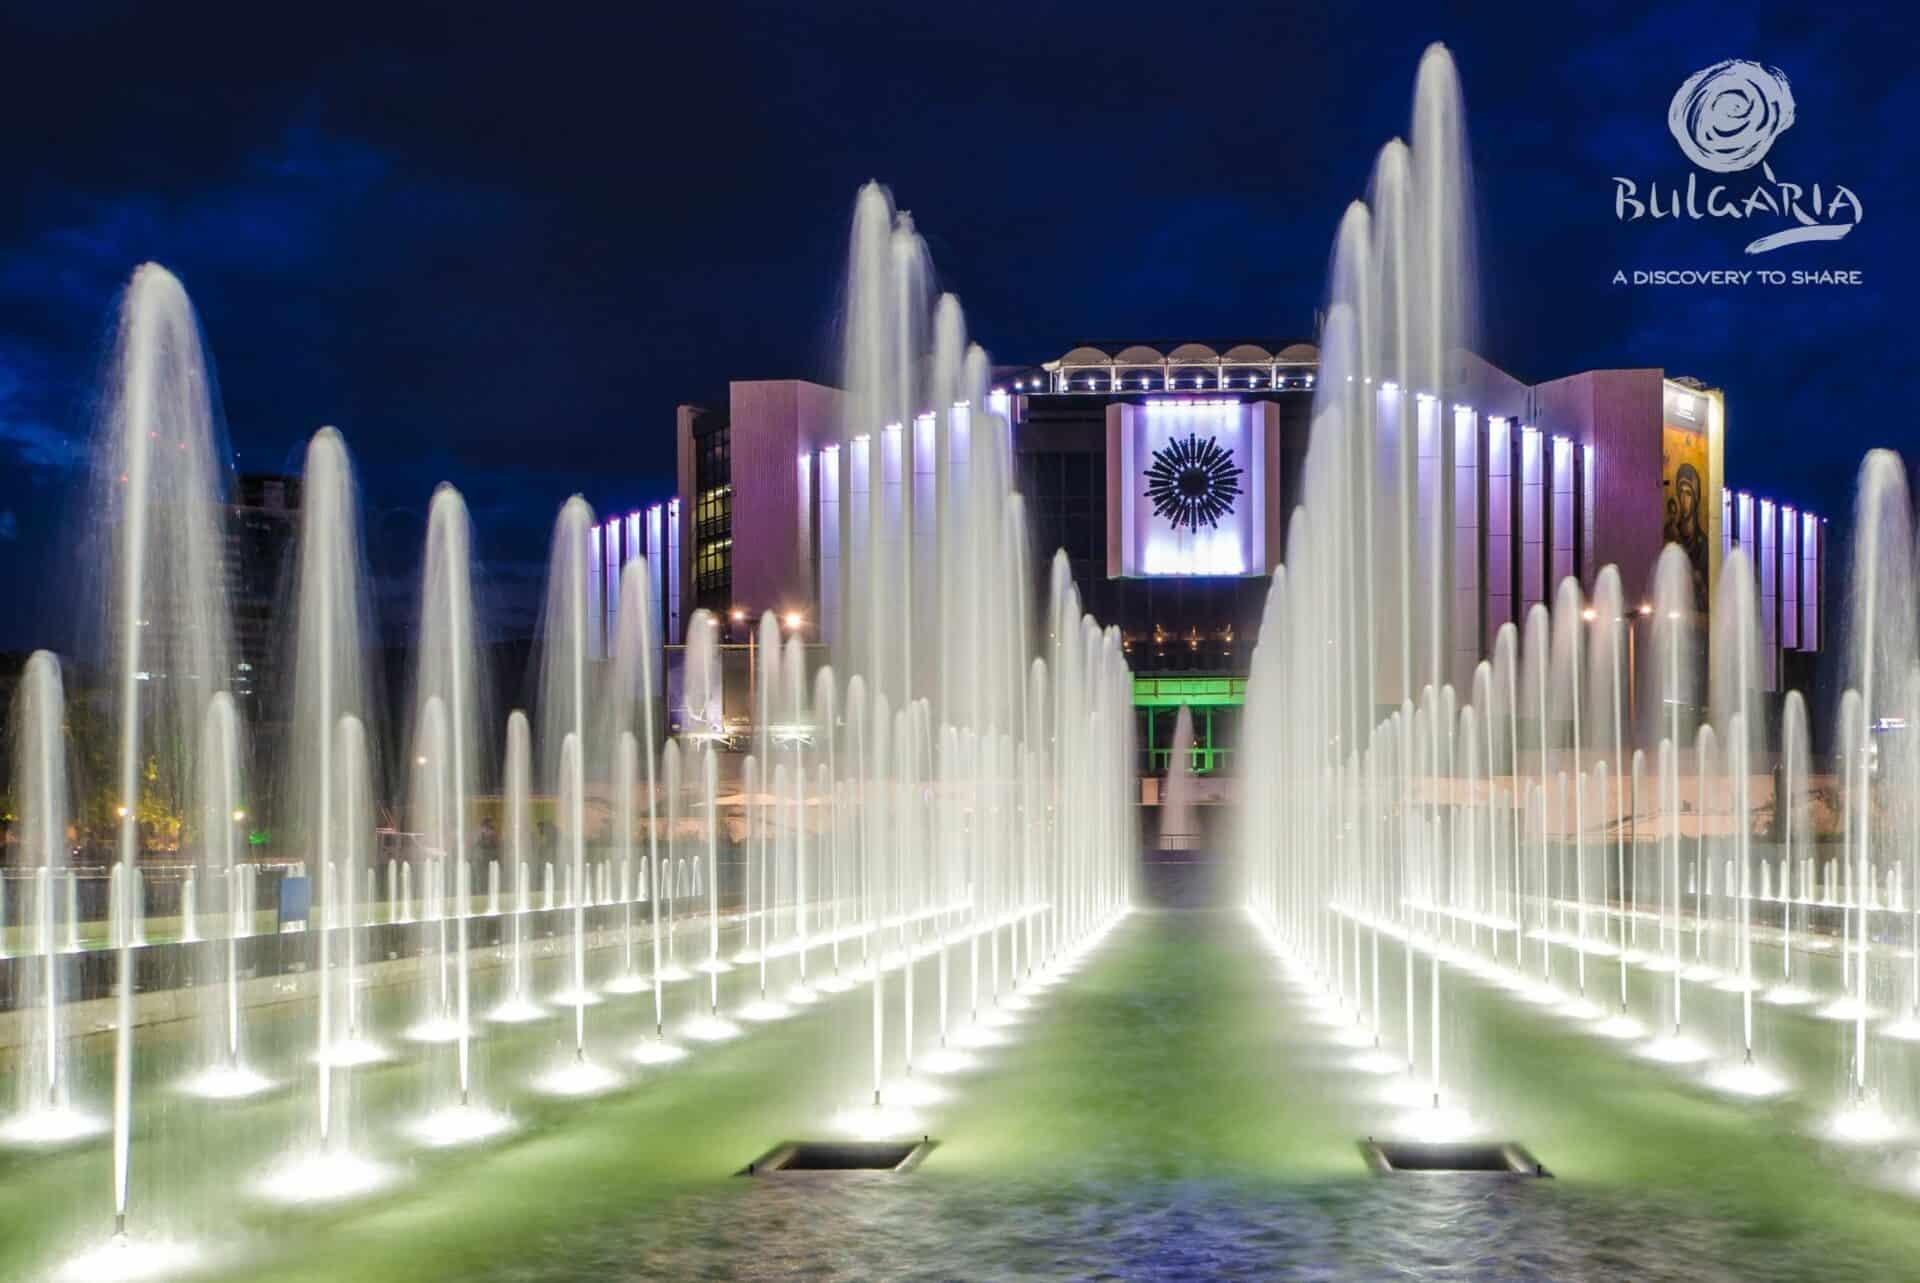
1239,352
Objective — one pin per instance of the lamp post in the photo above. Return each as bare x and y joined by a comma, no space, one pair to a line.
792,620
737,616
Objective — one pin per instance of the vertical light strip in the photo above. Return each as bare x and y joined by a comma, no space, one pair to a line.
1499,524
1589,501
1468,618
955,550
830,553
1533,521
596,609
1563,513
926,550
1810,534
1390,540
803,561
857,567
1789,579
656,554
1430,605
893,563
673,631
1768,551
999,403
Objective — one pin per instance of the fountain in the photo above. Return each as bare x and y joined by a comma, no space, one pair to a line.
330,773
518,1006
330,682
47,1113
568,721
157,487
711,1027
946,786
450,724
329,1166
1176,798
1880,653
225,1074
1416,793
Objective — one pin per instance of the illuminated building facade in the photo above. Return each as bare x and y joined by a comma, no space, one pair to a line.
1167,472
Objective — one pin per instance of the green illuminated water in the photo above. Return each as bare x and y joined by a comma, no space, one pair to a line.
1168,1111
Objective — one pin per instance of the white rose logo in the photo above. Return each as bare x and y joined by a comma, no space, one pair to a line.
1726,116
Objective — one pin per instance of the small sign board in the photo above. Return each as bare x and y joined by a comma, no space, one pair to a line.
296,902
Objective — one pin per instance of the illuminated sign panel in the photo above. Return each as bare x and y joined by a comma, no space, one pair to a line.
1192,489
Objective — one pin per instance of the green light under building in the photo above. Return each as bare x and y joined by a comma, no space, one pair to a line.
1215,702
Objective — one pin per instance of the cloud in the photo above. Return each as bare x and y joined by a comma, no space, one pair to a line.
25,431
40,446
9,525
274,216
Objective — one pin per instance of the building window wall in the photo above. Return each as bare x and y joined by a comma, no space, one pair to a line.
1066,504
713,520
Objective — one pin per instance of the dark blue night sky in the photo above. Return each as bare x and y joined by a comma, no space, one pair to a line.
498,245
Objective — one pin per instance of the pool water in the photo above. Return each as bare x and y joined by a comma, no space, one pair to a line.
1171,1110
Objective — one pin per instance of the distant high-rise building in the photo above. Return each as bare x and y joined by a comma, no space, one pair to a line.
262,522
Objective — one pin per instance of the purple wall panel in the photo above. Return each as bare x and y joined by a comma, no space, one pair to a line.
1617,413
772,422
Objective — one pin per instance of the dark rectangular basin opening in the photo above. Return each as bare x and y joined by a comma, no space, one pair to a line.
840,1156
1502,1157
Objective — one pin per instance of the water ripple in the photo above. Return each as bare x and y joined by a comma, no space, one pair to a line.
1407,1229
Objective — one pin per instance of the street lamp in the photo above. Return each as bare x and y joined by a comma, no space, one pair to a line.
793,620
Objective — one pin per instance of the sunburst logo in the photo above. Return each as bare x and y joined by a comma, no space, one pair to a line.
1193,482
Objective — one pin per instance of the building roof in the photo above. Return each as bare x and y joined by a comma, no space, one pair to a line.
1257,351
